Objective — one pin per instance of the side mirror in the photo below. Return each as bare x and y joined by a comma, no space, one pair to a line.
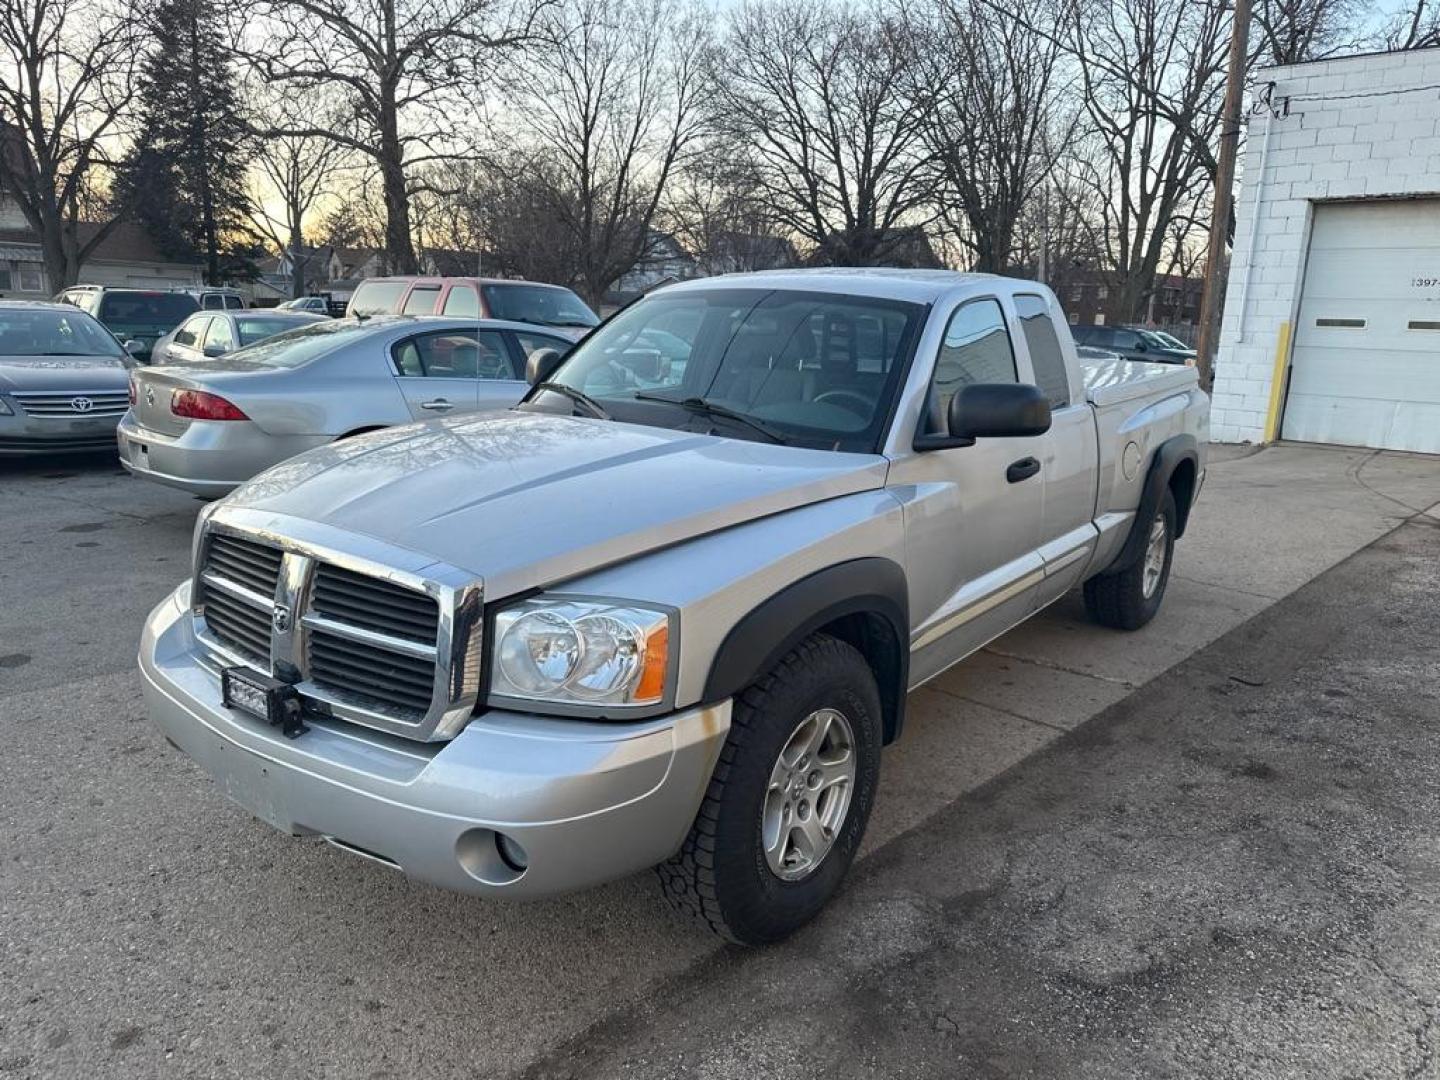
644,363
542,365
213,351
991,411
133,347
998,411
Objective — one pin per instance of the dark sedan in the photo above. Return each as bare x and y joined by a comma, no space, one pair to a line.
64,380
1132,343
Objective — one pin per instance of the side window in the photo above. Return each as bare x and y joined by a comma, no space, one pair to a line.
454,354
213,302
1044,345
190,333
220,334
234,303
1124,339
976,349
462,301
421,300
533,343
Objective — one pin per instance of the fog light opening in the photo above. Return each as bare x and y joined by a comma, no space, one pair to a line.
511,853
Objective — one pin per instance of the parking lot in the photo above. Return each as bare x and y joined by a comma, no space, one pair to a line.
153,929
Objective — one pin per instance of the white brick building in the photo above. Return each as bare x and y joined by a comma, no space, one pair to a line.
1331,329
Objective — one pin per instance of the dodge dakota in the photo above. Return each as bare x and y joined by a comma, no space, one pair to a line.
667,610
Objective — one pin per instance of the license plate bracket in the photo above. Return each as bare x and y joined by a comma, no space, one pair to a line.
272,700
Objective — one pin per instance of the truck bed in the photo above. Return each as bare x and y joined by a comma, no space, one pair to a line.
1109,382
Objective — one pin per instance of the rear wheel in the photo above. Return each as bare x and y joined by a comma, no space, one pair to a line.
1128,600
789,798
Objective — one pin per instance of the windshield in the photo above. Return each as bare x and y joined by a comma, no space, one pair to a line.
815,369
54,333
545,305
296,347
253,330
1170,341
146,308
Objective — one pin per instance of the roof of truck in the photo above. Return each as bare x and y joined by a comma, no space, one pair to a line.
921,286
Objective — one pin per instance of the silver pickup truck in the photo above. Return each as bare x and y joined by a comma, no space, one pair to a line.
667,611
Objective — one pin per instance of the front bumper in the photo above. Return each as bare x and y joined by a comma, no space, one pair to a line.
24,435
587,801
209,458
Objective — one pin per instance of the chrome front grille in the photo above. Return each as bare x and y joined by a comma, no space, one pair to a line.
362,639
236,588
374,604
71,404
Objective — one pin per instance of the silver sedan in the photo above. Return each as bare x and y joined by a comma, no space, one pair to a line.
209,425
215,333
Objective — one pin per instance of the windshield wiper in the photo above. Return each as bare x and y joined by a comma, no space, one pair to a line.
579,397
714,408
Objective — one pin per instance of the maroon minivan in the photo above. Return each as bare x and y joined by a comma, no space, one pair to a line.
483,298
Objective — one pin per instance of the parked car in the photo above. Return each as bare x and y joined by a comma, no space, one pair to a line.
530,302
1132,343
214,298
63,379
138,315
215,333
621,626
207,425
316,304
1090,352
1171,342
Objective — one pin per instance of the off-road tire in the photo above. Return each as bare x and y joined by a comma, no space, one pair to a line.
720,876
1119,600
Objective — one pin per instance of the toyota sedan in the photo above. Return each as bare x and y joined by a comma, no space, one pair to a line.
208,425
62,379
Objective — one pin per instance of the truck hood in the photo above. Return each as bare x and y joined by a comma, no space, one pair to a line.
528,499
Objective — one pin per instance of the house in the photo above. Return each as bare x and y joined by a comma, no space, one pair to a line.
455,262
1331,328
126,257
1174,301
737,252
665,261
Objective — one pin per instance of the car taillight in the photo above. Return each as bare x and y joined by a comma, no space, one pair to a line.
199,405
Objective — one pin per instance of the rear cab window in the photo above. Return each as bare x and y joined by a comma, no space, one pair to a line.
146,308
1043,342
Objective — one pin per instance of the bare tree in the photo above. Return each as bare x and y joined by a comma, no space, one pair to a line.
1152,72
1416,26
715,210
993,121
409,72
1293,31
608,111
294,173
819,95
67,78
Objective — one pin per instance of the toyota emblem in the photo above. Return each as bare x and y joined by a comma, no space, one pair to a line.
81,404
281,619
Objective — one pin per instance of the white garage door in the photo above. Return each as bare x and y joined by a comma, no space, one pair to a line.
1366,363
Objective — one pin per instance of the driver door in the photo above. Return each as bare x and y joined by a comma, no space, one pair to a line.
972,513
437,373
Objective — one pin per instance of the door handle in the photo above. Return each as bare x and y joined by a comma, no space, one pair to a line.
1022,470
440,405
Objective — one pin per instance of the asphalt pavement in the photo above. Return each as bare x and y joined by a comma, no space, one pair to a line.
152,929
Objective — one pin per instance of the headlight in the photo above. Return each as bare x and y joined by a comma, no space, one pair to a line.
581,652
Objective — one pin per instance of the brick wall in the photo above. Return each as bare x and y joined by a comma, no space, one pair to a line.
1333,145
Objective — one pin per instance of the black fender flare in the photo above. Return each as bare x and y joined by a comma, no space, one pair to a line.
867,596
1168,457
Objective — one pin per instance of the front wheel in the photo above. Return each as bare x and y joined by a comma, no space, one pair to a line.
1128,600
789,798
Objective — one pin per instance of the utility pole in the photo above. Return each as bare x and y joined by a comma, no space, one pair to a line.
1220,204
